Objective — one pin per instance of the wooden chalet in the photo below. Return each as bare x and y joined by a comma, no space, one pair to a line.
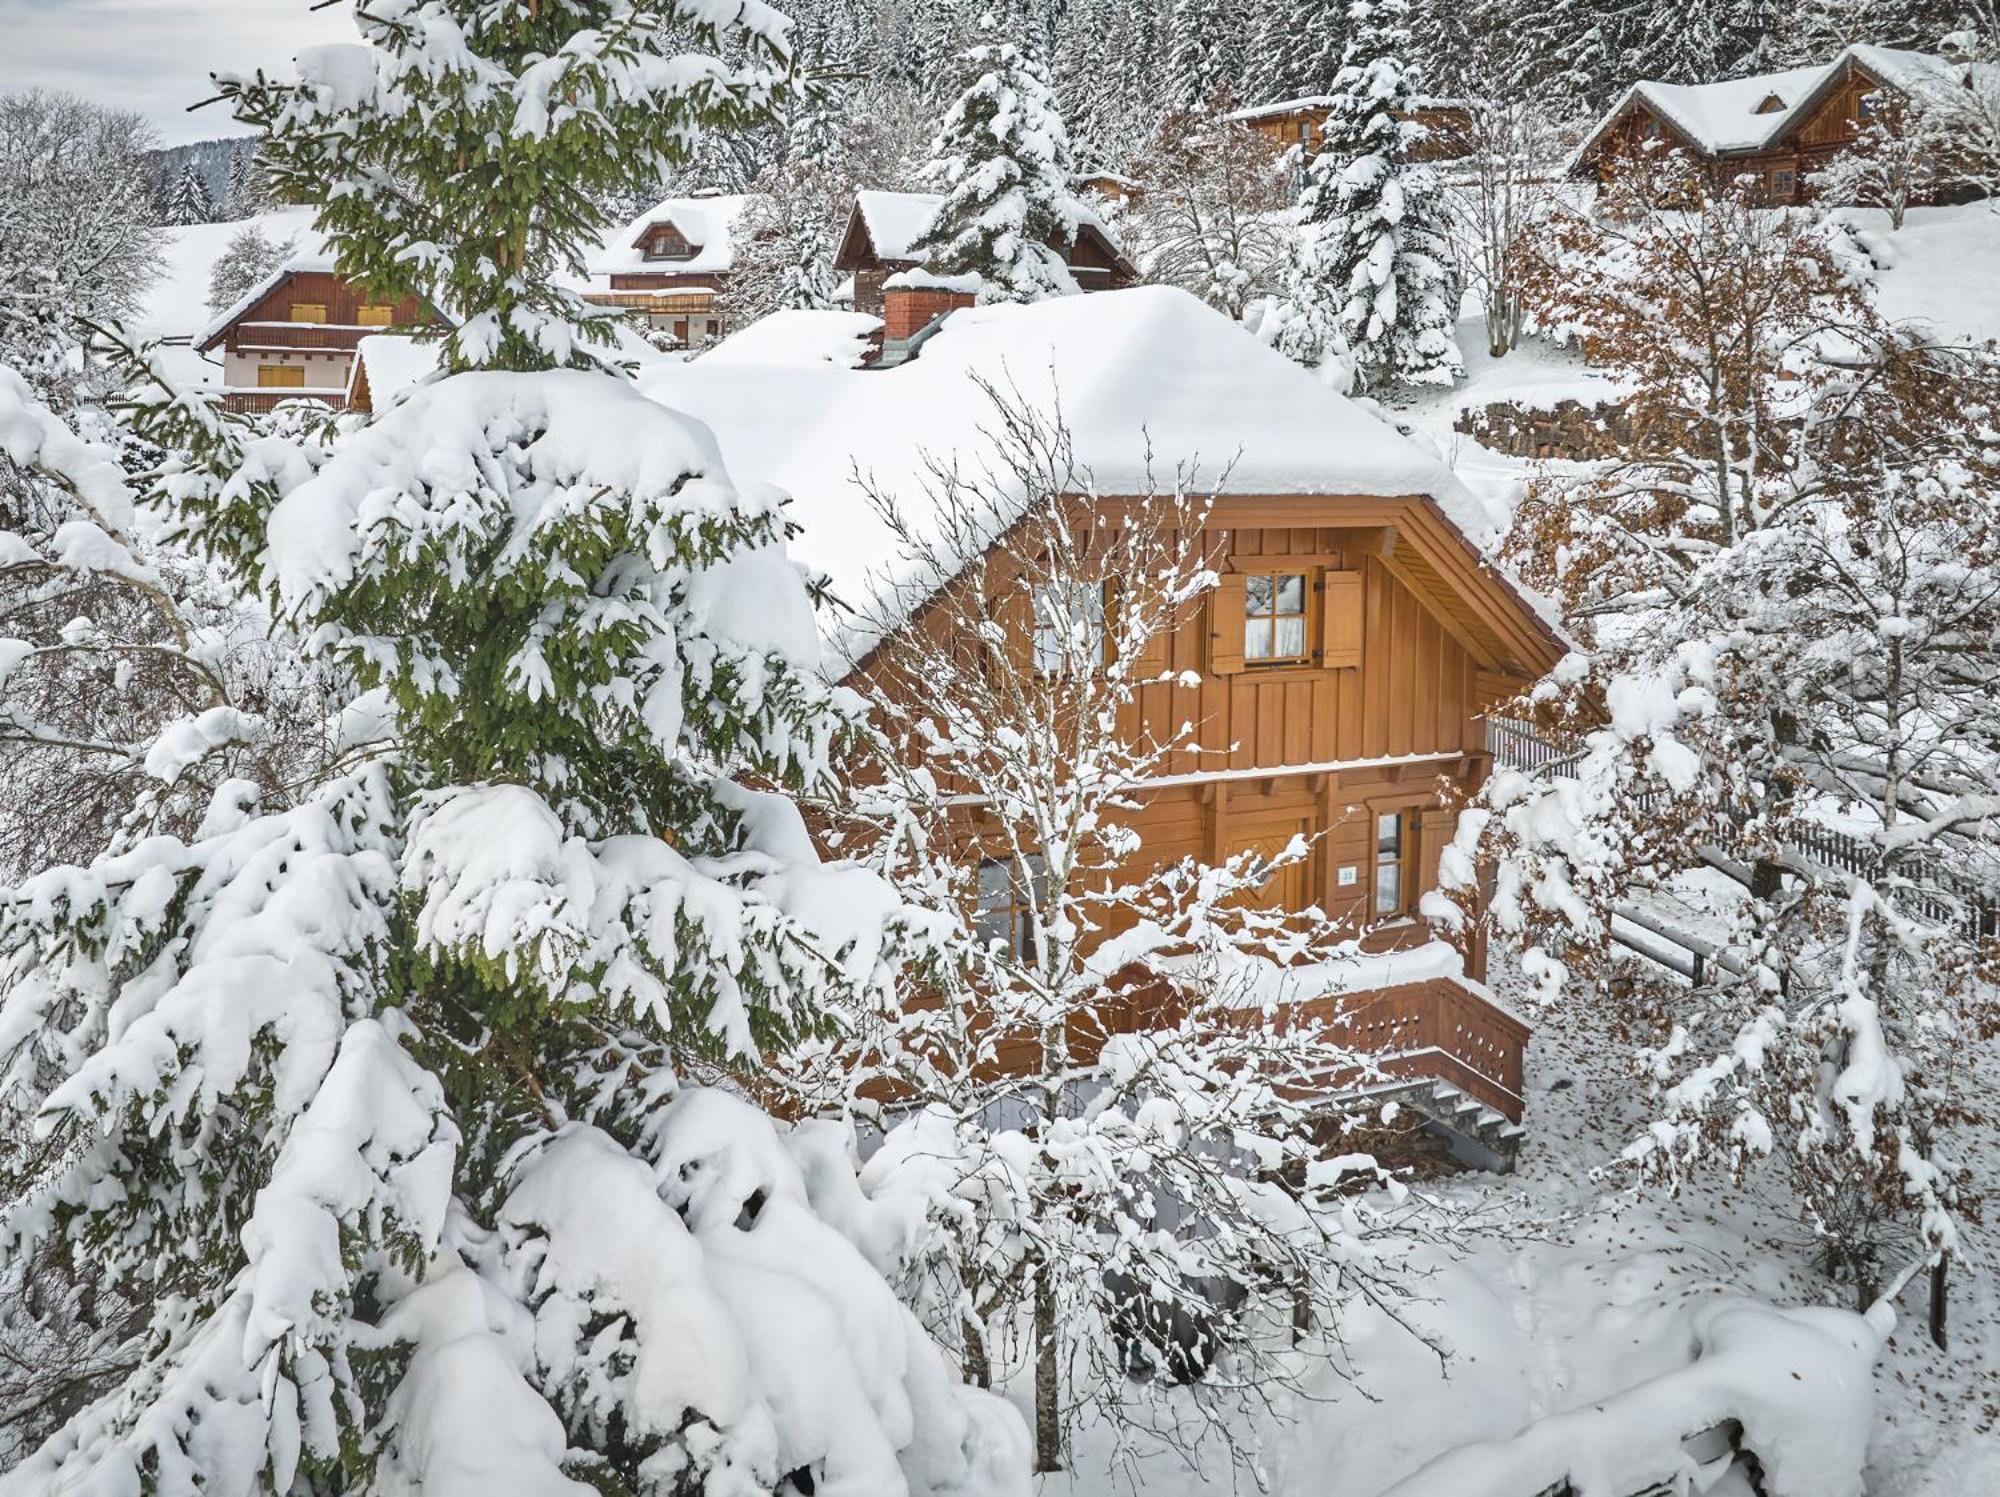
1300,122
669,266
1339,675
882,226
1776,129
294,336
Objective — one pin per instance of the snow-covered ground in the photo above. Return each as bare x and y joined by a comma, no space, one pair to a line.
1582,1289
1941,269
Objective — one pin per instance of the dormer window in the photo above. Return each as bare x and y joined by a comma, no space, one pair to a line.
668,243
1772,105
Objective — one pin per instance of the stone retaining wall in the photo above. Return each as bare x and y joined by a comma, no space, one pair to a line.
1569,429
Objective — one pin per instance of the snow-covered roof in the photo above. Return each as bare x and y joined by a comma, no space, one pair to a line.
296,265
392,363
799,339
1151,367
706,223
1730,117
895,220
1307,103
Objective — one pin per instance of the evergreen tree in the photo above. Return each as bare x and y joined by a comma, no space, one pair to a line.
1201,50
244,195
369,1087
1372,283
188,201
1002,158
1315,42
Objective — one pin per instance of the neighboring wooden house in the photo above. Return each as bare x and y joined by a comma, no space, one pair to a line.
293,336
670,265
1108,188
1301,122
1338,675
1776,129
882,226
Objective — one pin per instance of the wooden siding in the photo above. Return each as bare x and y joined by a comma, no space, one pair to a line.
267,323
1320,750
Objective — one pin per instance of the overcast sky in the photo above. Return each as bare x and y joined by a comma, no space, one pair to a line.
154,56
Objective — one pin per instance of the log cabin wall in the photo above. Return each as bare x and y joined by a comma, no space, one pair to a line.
1377,716
340,302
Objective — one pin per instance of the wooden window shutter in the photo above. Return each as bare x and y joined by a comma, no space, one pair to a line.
1225,626
1340,620
1152,658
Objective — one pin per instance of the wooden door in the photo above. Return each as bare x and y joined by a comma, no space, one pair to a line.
1288,888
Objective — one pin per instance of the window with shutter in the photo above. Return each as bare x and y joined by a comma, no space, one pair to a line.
1274,618
309,311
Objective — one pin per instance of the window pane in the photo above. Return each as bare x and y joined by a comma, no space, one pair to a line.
1389,833
1257,595
1257,639
1291,637
1388,888
1292,593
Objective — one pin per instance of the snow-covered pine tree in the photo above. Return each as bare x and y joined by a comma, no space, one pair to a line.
370,1087
1002,159
188,201
1700,41
1319,36
1203,37
1372,284
244,196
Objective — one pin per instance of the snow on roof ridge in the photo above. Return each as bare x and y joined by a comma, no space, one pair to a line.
889,215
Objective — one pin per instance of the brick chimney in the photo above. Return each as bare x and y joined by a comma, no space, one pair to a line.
908,310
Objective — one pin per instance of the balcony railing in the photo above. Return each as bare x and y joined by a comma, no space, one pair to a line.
260,399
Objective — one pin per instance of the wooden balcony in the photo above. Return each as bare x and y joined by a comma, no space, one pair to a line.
260,400
1439,1029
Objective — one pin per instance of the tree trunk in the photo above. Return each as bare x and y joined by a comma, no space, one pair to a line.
1048,1371
978,1369
1938,1305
